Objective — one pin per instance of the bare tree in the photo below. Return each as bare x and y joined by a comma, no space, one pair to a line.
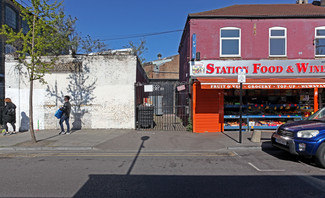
138,49
89,45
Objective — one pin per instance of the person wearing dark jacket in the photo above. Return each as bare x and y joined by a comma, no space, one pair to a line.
9,115
66,109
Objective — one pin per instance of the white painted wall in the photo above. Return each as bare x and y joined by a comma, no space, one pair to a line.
112,105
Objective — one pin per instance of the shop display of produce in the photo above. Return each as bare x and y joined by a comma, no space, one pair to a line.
257,123
270,109
268,123
267,109
262,116
233,124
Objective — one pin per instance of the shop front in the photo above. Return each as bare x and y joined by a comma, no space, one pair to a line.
275,92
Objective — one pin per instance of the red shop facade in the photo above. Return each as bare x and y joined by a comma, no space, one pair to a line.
275,92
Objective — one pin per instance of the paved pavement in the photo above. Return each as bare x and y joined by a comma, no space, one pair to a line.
129,141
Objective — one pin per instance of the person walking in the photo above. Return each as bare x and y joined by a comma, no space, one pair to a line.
66,109
9,116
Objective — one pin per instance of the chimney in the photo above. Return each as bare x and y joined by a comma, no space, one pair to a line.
322,3
316,3
302,1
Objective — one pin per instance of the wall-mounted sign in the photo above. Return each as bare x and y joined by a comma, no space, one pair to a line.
181,88
148,88
193,46
258,68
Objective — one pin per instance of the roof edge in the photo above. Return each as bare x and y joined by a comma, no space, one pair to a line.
254,17
258,4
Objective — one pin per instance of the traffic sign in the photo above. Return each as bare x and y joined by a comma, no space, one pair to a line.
242,76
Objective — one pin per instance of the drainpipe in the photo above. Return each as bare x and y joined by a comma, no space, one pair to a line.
19,104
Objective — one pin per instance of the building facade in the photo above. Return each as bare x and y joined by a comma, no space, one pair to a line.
281,47
101,87
9,15
163,68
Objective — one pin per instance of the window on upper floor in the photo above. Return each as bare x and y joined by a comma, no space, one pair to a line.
320,41
230,42
278,41
11,17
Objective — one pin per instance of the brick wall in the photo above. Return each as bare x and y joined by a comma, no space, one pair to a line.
167,68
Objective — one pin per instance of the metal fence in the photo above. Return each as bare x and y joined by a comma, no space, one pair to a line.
162,106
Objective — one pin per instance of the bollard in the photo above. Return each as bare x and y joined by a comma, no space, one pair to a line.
256,136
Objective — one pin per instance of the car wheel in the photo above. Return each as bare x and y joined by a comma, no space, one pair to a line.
320,155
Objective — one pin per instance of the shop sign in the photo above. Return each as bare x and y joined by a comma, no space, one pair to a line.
262,86
258,68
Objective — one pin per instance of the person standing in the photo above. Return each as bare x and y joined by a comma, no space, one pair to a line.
66,109
9,116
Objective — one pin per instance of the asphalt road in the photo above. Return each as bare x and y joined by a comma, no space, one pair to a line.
240,173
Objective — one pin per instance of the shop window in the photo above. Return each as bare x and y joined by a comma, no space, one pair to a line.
320,41
25,26
11,17
230,42
278,41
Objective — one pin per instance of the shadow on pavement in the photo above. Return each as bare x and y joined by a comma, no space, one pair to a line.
48,138
159,186
230,136
144,138
286,156
75,130
56,135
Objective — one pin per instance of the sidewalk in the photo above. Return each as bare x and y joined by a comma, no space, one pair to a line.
129,141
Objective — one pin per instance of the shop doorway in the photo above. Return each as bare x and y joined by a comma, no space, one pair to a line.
162,106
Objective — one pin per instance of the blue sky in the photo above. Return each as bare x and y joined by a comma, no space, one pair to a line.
107,19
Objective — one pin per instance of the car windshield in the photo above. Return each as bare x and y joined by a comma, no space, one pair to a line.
319,115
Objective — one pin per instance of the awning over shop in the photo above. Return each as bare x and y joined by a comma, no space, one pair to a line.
270,83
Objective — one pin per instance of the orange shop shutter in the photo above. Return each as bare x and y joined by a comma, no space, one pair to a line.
208,112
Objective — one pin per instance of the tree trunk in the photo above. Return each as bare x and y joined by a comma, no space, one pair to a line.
31,120
31,88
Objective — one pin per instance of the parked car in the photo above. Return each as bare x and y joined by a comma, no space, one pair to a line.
306,137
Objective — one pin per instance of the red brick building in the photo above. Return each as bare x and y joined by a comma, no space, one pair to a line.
163,68
281,47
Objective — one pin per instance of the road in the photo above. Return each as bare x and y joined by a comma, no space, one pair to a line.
229,173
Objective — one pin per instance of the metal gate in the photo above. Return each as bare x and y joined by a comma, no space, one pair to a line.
162,106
